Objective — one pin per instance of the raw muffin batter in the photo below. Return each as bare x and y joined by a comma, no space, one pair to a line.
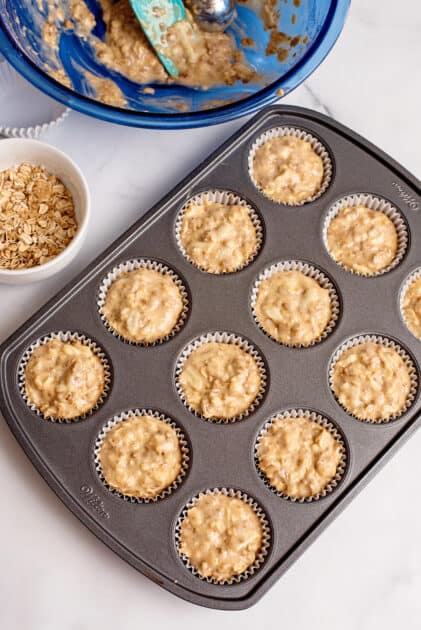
141,456
204,59
143,305
218,237
221,536
362,240
64,379
293,308
371,381
298,456
287,170
220,380
411,306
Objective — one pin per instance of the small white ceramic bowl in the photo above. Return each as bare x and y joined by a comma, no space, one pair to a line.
15,151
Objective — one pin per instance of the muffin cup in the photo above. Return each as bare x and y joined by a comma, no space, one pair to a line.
388,343
65,337
13,88
266,536
312,272
318,148
184,448
323,422
412,276
222,337
230,199
131,265
373,203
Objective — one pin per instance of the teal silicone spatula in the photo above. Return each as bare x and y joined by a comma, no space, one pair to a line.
156,18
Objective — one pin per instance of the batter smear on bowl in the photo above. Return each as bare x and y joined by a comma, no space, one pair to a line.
220,536
204,59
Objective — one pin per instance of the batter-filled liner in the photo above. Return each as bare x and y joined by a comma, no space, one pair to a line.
312,272
64,336
317,146
230,199
266,535
230,338
414,276
143,263
403,353
372,203
183,444
323,422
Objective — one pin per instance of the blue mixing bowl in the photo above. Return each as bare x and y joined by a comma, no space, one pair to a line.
313,25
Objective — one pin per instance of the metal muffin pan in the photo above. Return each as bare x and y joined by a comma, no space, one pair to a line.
222,455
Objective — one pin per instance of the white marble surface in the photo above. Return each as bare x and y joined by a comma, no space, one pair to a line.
365,570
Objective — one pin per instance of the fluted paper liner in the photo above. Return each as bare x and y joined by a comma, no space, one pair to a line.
222,337
373,203
143,263
389,343
11,81
323,422
184,448
64,336
230,199
316,145
266,535
312,272
409,280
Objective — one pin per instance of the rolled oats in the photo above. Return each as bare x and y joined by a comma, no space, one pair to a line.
37,217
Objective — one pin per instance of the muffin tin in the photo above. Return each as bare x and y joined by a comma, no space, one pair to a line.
222,455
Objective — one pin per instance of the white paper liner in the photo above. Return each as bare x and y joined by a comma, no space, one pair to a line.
184,448
312,272
373,203
13,88
409,280
64,336
222,337
230,199
389,343
323,422
266,536
318,148
142,263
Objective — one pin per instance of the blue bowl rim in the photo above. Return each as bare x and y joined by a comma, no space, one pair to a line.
313,57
